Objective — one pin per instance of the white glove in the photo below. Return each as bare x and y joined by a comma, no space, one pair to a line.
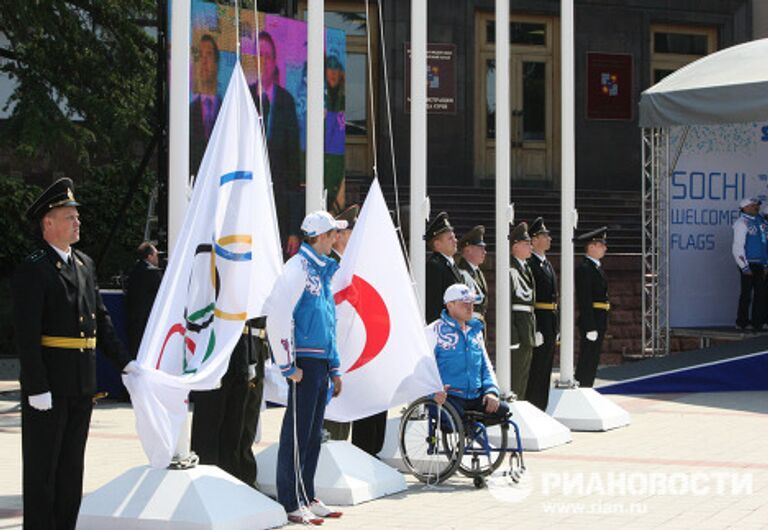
515,346
251,371
539,339
592,336
41,401
131,368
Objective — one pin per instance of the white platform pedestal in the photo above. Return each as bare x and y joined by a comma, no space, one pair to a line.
390,451
201,498
345,475
585,409
538,431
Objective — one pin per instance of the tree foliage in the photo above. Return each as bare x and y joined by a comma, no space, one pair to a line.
84,73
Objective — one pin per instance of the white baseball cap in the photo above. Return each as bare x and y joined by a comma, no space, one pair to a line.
320,222
458,292
747,201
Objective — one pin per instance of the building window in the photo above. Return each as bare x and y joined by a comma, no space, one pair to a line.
672,47
533,44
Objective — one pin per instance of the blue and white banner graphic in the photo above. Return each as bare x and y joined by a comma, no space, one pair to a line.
718,167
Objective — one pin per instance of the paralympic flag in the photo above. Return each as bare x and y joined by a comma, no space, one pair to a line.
220,272
385,358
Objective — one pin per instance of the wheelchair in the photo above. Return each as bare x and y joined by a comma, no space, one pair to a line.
435,442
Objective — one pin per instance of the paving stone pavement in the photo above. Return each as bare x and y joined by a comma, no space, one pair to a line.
687,461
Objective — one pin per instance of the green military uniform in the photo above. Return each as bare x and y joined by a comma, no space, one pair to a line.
522,319
473,275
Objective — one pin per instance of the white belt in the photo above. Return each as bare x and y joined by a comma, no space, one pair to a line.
522,307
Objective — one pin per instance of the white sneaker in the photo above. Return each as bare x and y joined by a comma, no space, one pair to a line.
319,508
304,516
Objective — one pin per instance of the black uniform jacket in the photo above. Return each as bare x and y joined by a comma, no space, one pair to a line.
591,287
440,275
53,299
140,292
546,292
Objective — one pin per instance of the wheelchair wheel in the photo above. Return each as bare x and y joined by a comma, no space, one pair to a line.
475,462
431,447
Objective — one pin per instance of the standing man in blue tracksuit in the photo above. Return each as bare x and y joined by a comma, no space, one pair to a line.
301,326
466,371
749,251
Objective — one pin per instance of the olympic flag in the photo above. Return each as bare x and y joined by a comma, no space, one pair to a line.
221,270
385,358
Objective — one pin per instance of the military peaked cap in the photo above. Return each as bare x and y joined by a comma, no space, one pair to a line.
438,225
60,193
473,237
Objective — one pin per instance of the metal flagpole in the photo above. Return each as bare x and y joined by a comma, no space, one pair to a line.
315,106
503,210
178,149
568,216
419,205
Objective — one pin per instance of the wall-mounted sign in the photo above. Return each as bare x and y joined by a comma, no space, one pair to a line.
441,78
609,86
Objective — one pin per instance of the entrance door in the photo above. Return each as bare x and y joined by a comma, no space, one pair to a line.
531,102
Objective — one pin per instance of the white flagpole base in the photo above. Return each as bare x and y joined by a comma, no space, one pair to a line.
538,431
390,451
199,498
345,475
585,409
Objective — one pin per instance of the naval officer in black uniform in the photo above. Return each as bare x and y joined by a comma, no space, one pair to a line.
593,304
59,319
545,309
441,269
472,250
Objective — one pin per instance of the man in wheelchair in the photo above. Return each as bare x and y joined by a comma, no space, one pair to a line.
465,369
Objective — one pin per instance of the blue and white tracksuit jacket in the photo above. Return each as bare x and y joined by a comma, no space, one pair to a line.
749,241
301,313
461,357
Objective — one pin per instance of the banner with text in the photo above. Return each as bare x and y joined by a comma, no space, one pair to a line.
718,166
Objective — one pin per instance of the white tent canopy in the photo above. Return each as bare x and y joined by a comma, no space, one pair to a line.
729,86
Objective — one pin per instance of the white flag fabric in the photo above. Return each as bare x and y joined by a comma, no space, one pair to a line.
385,358
220,272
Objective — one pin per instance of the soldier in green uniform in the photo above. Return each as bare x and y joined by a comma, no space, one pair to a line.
593,304
472,250
522,300
547,321
59,319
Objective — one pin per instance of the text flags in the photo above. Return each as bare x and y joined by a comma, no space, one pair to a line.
385,358
221,270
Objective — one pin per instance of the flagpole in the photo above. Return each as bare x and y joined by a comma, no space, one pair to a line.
503,356
315,106
567,194
178,149
419,209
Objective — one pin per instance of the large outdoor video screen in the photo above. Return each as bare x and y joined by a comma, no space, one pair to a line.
274,59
